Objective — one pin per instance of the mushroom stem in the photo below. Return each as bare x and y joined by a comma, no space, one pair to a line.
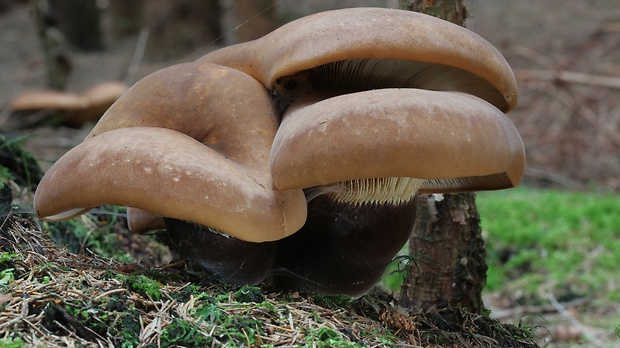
343,248
231,259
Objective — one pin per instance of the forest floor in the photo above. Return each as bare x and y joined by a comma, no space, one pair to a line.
552,29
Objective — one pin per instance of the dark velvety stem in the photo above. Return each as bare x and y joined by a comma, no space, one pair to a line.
342,248
235,261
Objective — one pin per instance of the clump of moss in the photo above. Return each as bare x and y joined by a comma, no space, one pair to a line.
144,286
12,342
326,337
333,301
129,331
106,318
183,333
111,317
96,234
186,292
248,294
19,163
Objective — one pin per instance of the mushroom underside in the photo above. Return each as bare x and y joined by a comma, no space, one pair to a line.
363,74
409,41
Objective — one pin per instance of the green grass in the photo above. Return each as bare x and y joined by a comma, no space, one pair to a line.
543,240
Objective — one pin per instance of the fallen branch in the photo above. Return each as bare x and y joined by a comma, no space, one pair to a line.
521,311
569,77
562,309
555,177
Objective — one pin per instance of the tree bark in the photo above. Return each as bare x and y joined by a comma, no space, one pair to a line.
450,10
79,21
452,271
125,17
57,60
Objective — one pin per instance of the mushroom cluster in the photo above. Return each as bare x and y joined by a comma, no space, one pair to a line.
298,156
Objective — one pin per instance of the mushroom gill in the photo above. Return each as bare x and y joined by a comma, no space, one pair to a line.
397,49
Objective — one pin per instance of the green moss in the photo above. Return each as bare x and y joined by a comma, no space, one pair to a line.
225,327
333,301
187,292
249,294
108,319
326,337
122,326
8,257
144,286
7,276
182,333
325,334
12,342
88,233
17,163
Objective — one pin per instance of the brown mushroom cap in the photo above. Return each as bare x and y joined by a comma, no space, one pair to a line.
221,107
456,142
104,94
141,221
44,99
443,56
170,174
81,108
100,97
196,148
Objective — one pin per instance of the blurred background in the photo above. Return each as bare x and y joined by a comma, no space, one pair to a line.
566,58
564,53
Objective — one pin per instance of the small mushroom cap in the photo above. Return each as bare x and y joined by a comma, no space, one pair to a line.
455,141
169,174
43,99
84,107
378,33
141,221
100,97
104,94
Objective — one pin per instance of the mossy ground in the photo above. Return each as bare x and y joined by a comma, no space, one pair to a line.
53,297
